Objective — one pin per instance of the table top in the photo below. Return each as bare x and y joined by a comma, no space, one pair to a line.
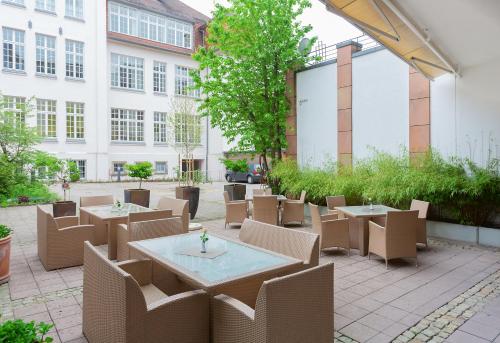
107,212
280,197
365,211
238,260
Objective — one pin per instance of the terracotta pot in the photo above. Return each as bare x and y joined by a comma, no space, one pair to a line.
189,193
137,196
64,208
4,259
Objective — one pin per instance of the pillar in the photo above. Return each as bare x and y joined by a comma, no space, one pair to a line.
420,114
291,129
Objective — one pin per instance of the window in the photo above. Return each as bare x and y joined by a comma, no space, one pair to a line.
160,127
184,82
74,8
46,118
45,54
187,129
160,77
82,167
13,49
127,72
119,167
161,168
133,22
127,125
75,122
46,5
15,2
74,59
16,105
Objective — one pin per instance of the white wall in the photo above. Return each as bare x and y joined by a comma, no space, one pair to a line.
380,104
317,115
465,113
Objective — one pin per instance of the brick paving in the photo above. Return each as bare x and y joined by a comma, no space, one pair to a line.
372,304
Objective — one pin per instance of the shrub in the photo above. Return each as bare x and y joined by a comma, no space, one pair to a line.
457,189
18,331
4,231
35,192
140,170
236,166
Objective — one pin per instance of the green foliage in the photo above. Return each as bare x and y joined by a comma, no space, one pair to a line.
140,170
4,231
458,189
36,192
236,166
73,171
252,45
18,331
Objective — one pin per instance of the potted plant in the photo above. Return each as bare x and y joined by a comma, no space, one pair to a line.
68,171
5,238
25,332
236,191
141,171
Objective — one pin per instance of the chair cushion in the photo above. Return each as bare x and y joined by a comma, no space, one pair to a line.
152,293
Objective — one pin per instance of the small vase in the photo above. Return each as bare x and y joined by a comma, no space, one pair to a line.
371,206
203,247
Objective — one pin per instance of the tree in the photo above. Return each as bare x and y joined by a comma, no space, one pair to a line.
252,44
140,170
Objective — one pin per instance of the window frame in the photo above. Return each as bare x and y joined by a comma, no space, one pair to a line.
160,77
127,76
48,53
165,171
122,125
75,119
183,81
75,13
16,49
43,5
160,127
16,105
48,117
75,70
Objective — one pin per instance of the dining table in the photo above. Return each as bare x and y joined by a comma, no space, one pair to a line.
359,216
227,267
107,218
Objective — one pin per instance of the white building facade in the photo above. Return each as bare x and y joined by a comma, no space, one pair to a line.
101,77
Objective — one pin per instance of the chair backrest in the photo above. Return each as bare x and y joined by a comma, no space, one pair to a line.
265,209
111,296
421,206
297,244
156,228
151,215
334,201
303,196
260,191
315,218
226,197
297,307
401,231
97,200
178,206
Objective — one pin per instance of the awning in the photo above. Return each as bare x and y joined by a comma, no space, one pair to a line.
385,22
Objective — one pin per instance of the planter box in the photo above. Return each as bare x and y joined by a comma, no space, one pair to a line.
192,194
465,233
137,196
5,259
236,191
64,209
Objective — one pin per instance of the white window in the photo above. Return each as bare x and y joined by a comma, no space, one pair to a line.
46,5
119,167
46,118
16,105
160,127
75,120
74,8
82,168
13,49
130,21
187,129
161,168
160,77
74,59
15,2
184,82
45,54
127,72
127,125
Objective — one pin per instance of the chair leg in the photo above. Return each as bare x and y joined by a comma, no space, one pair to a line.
369,256
416,261
348,251
386,264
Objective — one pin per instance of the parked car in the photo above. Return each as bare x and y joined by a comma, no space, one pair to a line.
251,176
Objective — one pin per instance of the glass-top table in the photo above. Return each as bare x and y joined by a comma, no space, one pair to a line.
365,210
106,212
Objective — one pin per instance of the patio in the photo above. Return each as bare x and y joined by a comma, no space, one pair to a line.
372,304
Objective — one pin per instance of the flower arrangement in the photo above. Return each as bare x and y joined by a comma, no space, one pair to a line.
204,239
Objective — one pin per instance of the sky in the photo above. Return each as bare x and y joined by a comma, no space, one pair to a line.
328,27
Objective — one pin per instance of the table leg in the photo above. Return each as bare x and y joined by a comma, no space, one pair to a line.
363,234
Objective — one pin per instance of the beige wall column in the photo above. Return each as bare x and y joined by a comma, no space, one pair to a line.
344,100
291,130
420,113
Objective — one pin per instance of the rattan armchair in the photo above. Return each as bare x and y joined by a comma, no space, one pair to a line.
332,232
101,227
422,207
60,240
262,191
334,201
134,301
179,207
398,239
293,210
124,235
266,209
296,308
236,210
297,244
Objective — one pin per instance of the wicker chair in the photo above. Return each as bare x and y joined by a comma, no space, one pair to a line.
293,210
297,244
397,239
123,235
260,191
134,301
332,232
236,210
265,209
60,240
179,207
101,227
296,308
422,207
334,201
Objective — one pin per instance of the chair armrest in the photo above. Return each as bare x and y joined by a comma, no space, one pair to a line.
232,320
232,307
63,222
331,212
198,296
74,228
376,232
328,217
141,270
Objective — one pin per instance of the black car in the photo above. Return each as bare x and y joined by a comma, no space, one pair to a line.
251,176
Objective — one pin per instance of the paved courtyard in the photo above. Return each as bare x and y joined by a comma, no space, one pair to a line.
452,296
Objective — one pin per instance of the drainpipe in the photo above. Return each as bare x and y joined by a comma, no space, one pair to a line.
206,150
